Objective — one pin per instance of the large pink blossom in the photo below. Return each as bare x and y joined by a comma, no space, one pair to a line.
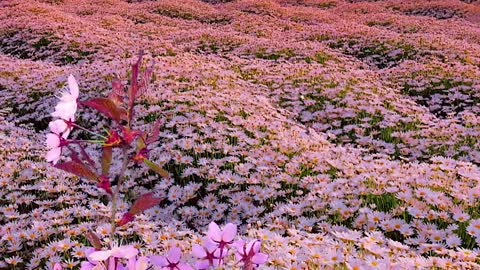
67,106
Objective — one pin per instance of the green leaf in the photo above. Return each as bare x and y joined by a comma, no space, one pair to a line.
156,168
106,160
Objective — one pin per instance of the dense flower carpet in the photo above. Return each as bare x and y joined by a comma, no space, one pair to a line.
339,134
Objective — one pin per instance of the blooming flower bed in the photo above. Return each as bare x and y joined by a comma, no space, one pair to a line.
316,134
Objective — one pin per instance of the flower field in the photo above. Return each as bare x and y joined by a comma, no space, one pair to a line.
249,134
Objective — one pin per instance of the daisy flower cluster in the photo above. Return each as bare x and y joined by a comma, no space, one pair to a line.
335,134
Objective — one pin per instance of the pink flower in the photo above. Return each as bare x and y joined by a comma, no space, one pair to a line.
206,254
67,106
218,236
249,254
171,261
61,126
54,144
57,266
125,252
88,265
222,238
138,264
55,141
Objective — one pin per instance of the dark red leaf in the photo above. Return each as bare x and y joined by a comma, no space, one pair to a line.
135,72
146,77
106,107
117,93
113,139
143,203
104,183
117,87
94,240
155,132
127,217
132,92
77,168
130,135
86,156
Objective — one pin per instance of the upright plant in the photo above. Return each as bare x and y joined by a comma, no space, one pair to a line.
119,107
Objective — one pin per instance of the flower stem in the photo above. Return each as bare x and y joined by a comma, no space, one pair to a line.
86,141
116,194
89,131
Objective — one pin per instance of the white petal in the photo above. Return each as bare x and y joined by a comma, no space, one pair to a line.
159,261
198,251
73,85
65,109
52,140
58,126
66,133
254,245
259,258
66,97
53,155
229,232
214,232
126,252
174,255
101,255
240,246
142,263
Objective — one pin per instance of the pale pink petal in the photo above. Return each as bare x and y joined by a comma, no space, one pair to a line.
209,245
65,109
99,266
174,255
259,258
66,133
201,265
198,251
111,263
184,266
239,245
101,255
73,86
53,140
214,232
89,251
125,252
86,266
217,253
142,263
229,232
159,261
58,126
254,245
53,155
